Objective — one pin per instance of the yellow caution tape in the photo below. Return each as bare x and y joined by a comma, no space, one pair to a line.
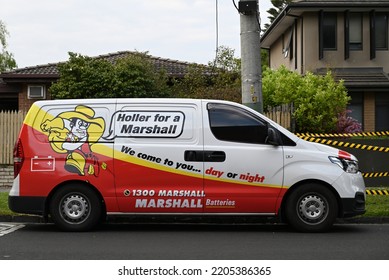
345,144
375,174
377,192
343,135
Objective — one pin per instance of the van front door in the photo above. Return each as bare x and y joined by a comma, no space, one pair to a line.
243,173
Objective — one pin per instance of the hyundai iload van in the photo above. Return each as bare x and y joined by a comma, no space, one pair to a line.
78,160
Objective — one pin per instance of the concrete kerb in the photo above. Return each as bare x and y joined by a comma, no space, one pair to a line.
5,189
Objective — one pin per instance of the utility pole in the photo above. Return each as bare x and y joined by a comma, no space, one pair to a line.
251,54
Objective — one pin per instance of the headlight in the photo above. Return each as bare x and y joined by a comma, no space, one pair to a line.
348,165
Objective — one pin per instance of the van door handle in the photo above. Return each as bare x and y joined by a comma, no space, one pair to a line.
214,156
194,156
205,156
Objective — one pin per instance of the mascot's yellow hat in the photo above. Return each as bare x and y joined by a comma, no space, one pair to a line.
97,125
83,113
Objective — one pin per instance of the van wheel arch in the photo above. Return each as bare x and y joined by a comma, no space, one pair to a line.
84,188
310,185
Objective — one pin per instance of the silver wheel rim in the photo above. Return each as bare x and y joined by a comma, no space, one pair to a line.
75,208
312,209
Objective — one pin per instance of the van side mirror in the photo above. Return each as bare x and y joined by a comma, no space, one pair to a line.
273,137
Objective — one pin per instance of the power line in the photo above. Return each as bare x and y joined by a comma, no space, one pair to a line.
217,30
236,7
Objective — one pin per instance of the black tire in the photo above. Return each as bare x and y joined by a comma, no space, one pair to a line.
75,207
311,208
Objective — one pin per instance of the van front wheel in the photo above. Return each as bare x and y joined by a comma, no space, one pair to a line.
75,207
311,208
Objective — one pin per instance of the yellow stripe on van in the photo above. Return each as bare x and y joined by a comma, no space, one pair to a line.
107,151
32,115
35,117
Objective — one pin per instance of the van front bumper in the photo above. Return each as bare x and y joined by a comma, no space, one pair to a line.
27,204
354,206
352,192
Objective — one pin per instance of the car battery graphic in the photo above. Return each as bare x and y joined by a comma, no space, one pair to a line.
42,163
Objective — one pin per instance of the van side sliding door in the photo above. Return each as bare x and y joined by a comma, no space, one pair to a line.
152,144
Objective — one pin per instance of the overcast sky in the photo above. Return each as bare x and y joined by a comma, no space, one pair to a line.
44,31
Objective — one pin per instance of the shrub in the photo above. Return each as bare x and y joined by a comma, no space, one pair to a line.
347,124
318,100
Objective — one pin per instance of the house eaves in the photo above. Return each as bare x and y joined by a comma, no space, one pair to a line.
296,9
8,88
360,78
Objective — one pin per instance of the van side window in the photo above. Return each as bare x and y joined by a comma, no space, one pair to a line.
229,123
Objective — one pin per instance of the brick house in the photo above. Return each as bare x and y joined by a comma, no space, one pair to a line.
21,87
350,38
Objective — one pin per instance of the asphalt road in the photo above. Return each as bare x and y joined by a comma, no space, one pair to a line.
188,241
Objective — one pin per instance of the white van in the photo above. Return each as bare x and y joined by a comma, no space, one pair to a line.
78,160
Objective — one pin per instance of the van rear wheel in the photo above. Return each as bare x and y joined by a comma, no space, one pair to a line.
311,208
75,207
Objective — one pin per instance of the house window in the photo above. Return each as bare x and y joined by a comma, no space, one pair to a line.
287,49
329,31
355,31
36,92
356,106
381,111
381,31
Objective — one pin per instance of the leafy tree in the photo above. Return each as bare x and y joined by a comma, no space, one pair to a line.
226,71
135,76
219,80
278,6
83,77
225,60
318,100
86,77
265,62
223,80
7,62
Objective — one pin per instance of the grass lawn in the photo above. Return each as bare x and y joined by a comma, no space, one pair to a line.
4,204
377,205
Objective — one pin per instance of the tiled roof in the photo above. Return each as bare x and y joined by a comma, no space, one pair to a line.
173,68
44,69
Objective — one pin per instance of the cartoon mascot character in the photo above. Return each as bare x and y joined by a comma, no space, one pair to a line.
73,133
